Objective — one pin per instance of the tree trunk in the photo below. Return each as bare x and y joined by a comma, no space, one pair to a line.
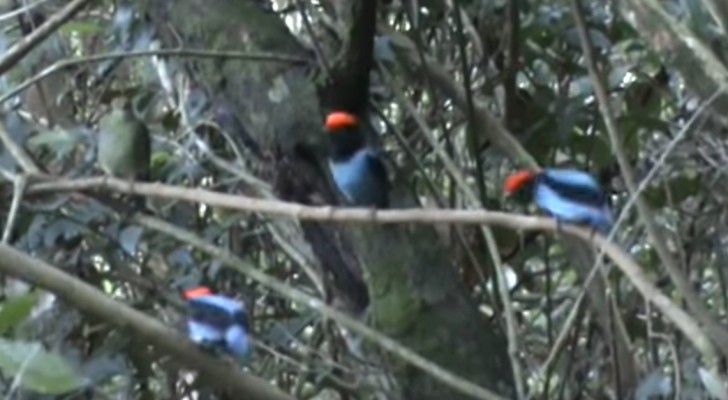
416,296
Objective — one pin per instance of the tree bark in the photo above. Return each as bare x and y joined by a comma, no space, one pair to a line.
415,292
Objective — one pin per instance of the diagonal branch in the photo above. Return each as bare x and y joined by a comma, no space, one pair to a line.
716,332
678,46
634,272
231,261
28,43
91,300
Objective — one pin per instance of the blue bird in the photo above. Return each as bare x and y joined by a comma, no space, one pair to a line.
358,172
569,195
218,322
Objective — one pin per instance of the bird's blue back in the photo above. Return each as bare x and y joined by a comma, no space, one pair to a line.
229,332
359,179
573,176
229,305
597,215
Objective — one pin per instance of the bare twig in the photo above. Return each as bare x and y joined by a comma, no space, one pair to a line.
491,127
634,272
714,330
89,299
298,296
16,53
487,124
473,201
21,10
19,184
18,152
18,379
193,53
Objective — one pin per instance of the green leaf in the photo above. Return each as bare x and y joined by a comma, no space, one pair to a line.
687,185
16,310
60,141
39,370
83,28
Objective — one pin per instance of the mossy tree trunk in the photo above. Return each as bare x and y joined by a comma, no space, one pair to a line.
416,296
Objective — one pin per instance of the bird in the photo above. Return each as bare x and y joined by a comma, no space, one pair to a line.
218,322
358,171
124,146
569,195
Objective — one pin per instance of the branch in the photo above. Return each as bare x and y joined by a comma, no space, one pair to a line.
473,201
486,123
634,272
28,43
715,331
190,53
673,40
230,260
491,127
92,301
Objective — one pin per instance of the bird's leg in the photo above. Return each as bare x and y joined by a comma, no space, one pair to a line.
592,232
138,202
559,225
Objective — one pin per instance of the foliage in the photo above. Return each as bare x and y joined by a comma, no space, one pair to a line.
525,65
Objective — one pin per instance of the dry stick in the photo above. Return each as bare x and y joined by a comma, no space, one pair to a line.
16,53
8,60
21,10
19,184
571,318
304,299
715,331
494,129
195,53
91,300
680,318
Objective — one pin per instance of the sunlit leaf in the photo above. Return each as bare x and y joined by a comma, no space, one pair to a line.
655,384
130,237
83,28
59,141
715,385
38,370
15,310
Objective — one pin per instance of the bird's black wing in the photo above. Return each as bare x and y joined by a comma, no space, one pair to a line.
210,314
573,191
380,174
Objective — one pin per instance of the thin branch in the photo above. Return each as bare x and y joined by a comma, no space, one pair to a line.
717,333
21,10
19,183
19,154
190,53
16,53
230,260
511,329
487,124
719,10
473,201
491,127
629,267
91,300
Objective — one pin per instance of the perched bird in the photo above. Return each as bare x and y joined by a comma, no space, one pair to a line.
217,322
124,147
569,195
357,170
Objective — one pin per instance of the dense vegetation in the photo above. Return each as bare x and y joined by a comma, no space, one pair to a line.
456,95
